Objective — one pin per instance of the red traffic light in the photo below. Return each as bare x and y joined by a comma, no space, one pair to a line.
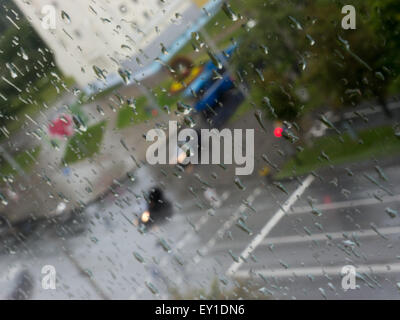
278,132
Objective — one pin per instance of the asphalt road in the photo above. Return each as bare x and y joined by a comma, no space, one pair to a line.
300,257
301,254
281,246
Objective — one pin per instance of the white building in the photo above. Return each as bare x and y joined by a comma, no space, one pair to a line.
107,34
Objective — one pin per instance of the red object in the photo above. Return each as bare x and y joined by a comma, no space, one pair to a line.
62,126
278,132
327,199
154,112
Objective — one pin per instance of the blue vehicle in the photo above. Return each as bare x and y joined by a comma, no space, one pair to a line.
214,91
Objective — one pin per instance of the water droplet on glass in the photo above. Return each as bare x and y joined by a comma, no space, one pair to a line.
239,184
24,55
152,288
281,187
163,49
138,257
380,76
125,75
264,48
296,23
99,73
79,123
214,59
391,212
3,199
229,12
240,223
12,70
164,245
183,108
312,41
188,121
100,110
65,17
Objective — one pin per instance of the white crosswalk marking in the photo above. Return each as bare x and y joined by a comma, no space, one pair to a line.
271,224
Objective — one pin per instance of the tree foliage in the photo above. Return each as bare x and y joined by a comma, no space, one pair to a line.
25,61
301,44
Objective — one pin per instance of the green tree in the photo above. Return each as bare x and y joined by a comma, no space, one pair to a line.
385,20
348,65
302,44
269,56
26,62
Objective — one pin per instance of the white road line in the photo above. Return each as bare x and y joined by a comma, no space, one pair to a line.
315,237
369,111
220,232
346,204
271,223
335,205
318,271
227,225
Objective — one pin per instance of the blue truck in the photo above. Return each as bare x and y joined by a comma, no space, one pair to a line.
214,92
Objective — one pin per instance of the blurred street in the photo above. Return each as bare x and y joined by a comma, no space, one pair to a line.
108,256
82,85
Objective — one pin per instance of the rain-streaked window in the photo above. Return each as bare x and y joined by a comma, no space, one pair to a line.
199,149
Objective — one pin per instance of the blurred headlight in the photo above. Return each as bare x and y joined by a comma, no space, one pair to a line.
145,217
181,157
61,207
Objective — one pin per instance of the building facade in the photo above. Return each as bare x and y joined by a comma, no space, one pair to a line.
90,35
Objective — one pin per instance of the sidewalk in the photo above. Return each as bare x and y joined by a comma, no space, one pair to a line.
121,151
